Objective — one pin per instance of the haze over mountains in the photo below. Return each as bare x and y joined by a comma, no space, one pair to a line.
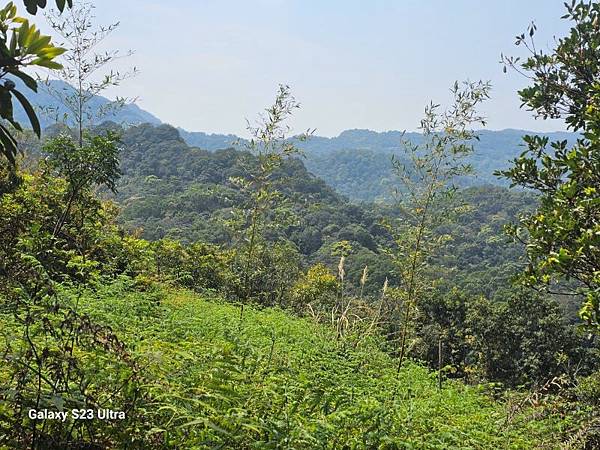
356,163
51,109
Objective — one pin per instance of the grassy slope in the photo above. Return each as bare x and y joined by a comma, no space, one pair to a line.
277,381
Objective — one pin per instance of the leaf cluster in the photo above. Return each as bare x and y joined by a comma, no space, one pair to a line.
21,45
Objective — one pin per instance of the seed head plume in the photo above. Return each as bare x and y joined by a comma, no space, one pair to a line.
341,271
363,279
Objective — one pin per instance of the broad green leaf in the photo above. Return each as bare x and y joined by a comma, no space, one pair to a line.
41,43
29,81
51,52
35,123
9,145
43,62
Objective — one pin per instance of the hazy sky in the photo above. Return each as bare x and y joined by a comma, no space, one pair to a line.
207,65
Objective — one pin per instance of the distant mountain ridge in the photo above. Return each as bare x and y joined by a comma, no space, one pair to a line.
210,142
359,138
129,114
356,163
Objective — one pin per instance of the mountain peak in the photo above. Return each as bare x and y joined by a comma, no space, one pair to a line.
44,100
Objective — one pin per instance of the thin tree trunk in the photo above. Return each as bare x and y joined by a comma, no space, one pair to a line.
63,216
440,363
411,283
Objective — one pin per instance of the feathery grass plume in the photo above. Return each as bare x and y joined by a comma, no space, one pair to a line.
377,316
341,271
363,280
381,302
340,306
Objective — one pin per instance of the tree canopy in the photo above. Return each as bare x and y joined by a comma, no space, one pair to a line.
21,45
563,234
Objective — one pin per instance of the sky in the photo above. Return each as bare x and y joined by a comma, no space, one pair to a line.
208,65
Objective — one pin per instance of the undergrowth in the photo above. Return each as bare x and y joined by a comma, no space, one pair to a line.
269,380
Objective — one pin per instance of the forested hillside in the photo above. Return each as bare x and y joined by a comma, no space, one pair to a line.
170,190
47,100
161,289
356,163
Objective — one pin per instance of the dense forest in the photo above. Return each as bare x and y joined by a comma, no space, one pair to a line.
167,289
356,163
192,197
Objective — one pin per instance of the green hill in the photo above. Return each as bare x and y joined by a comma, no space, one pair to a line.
275,381
356,163
172,190
179,192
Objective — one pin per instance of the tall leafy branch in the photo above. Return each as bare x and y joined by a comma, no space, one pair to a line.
91,160
84,67
423,184
562,236
22,45
270,144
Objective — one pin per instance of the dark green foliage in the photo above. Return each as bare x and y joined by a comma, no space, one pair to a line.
171,190
588,389
523,340
54,356
196,266
563,234
273,381
96,163
93,162
520,340
29,217
357,162
275,267
478,257
33,5
443,316
21,45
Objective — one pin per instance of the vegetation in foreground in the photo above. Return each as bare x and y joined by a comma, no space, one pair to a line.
95,317
209,379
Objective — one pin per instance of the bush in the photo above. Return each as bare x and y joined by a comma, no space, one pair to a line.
588,389
315,292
